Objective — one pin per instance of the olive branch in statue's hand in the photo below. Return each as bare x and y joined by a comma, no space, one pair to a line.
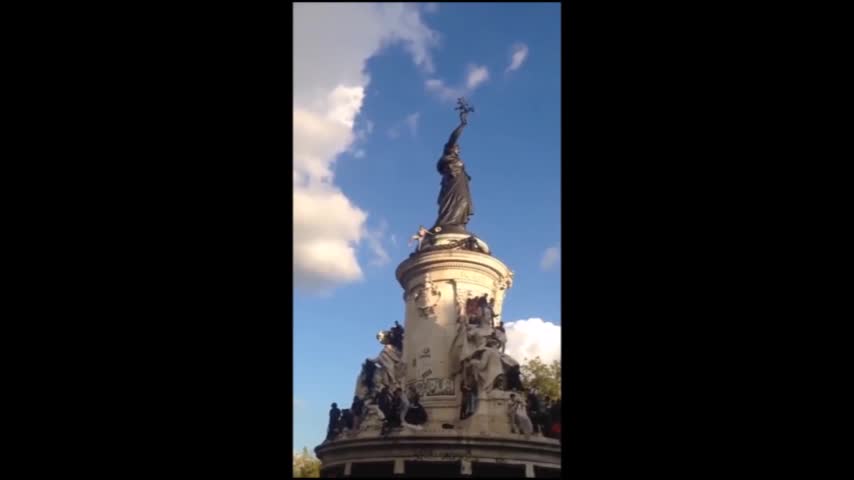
464,109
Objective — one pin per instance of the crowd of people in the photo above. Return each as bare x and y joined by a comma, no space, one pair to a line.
396,410
544,414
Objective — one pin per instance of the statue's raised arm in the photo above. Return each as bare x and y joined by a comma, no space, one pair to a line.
464,109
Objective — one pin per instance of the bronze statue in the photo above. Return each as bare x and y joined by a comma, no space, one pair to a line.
455,204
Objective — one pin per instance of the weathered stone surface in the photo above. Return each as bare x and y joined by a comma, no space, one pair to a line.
442,279
440,446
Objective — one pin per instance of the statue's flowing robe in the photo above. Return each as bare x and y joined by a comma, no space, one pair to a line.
480,345
455,203
487,367
466,343
388,359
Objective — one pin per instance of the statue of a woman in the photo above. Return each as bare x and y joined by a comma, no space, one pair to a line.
455,205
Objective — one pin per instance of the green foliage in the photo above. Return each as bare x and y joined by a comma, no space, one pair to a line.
545,377
305,465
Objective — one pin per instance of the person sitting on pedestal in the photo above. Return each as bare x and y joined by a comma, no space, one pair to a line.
422,233
417,415
406,407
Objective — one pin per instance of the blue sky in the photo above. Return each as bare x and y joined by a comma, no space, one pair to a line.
374,91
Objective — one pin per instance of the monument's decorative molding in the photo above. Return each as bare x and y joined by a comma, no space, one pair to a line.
426,297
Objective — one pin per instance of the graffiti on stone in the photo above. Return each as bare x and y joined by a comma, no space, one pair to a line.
429,454
434,387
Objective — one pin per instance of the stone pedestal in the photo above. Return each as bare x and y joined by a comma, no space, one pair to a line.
436,282
406,452
436,285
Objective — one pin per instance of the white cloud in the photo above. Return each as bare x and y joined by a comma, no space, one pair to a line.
327,228
359,153
374,239
412,122
431,7
476,76
443,91
518,55
362,133
332,42
533,337
551,257
403,23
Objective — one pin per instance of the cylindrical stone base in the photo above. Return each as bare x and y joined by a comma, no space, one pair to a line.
436,285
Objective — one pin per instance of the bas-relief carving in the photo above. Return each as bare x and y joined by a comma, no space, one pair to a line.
426,297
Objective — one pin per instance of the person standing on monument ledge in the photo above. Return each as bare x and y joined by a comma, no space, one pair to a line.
357,409
334,417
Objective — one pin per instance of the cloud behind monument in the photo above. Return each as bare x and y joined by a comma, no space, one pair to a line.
475,76
329,90
533,337
519,52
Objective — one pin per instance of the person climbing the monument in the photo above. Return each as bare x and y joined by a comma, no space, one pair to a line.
513,378
422,233
334,417
486,312
397,336
474,311
468,385
403,402
346,422
357,408
384,403
491,315
397,404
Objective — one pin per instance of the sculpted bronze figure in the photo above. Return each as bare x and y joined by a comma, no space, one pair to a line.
455,204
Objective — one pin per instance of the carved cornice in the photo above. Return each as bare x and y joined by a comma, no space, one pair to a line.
510,447
452,260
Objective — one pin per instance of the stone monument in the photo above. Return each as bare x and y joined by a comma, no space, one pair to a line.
452,367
